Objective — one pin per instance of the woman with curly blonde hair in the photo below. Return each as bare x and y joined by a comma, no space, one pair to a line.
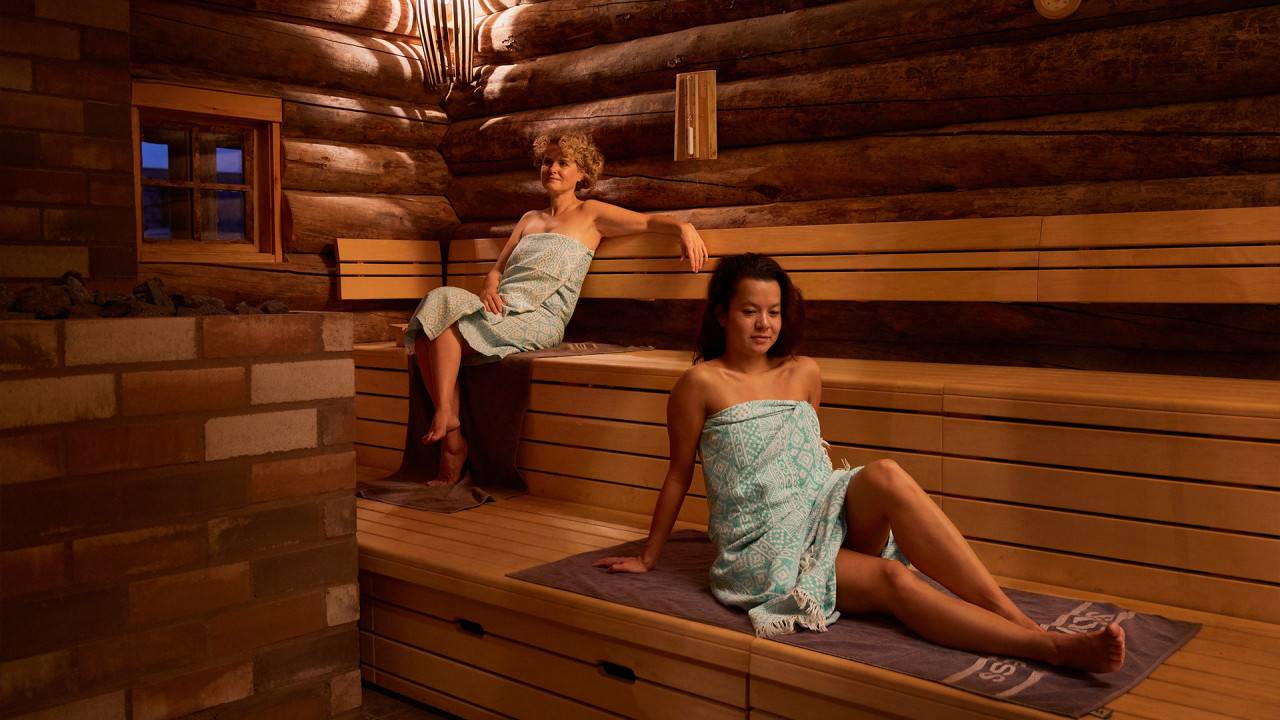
531,291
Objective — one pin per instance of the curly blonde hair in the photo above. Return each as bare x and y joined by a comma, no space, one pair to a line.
578,147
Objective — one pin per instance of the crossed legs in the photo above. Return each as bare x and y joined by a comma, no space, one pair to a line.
981,618
439,361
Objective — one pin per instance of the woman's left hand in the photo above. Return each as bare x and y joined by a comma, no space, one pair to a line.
622,564
692,247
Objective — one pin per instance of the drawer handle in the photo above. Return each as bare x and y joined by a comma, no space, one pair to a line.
622,672
470,626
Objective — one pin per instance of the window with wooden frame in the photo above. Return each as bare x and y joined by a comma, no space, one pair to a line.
206,174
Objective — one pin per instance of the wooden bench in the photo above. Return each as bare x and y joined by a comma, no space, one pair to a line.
370,269
1160,493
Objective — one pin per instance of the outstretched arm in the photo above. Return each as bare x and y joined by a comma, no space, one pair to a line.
686,411
613,220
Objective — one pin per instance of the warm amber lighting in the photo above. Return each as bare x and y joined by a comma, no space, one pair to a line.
696,115
447,31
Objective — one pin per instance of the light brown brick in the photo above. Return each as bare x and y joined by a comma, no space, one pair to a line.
37,112
27,345
109,14
16,73
338,422
125,658
134,552
42,261
91,226
175,391
333,563
260,433
43,39
137,340
193,692
172,496
340,516
254,335
189,594
102,707
310,475
267,623
342,604
138,444
337,331
345,692
300,381
43,401
32,570
35,678
307,658
19,223
257,531
33,627
32,456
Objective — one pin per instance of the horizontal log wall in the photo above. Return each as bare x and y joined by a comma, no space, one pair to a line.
361,133
883,110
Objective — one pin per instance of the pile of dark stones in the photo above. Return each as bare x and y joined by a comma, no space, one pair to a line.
69,297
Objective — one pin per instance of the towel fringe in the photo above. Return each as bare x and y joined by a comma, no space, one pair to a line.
811,617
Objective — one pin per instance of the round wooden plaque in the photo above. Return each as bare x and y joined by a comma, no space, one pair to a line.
1056,9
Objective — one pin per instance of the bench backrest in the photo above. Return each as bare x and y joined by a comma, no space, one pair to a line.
383,269
1227,255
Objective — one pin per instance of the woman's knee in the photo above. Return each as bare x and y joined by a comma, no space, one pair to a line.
888,477
895,582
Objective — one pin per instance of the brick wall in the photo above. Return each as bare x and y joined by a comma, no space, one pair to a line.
177,518
66,148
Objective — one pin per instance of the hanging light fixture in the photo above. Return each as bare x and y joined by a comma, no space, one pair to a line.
447,31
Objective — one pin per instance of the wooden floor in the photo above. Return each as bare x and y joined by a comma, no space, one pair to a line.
1230,670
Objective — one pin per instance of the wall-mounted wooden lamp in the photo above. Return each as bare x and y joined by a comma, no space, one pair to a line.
696,115
447,30
1056,9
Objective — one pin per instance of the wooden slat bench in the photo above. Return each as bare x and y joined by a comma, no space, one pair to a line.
1160,493
372,269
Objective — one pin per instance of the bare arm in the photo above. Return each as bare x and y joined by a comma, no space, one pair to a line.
686,411
489,293
613,220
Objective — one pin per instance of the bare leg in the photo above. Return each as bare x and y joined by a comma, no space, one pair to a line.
882,496
445,353
872,584
453,457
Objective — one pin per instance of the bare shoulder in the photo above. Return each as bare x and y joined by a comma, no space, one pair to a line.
806,367
697,378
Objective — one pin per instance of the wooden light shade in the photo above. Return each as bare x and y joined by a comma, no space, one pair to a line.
447,31
696,115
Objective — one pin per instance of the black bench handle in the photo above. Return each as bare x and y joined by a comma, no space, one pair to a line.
470,626
621,672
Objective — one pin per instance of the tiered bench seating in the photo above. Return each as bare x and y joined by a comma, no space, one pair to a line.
1159,493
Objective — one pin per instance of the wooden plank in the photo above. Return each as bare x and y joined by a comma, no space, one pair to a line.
1231,508
851,397
1225,255
1224,226
605,403
907,431
611,467
492,530
617,497
386,355
612,435
1161,285
1212,552
381,407
372,381
378,288
671,263
378,250
926,469
1176,456
391,269
427,696
583,682
387,435
953,285
378,457
1224,596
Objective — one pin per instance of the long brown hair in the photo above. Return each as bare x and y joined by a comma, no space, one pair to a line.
730,271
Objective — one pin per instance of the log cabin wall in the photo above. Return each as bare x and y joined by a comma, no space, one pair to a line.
360,132
871,111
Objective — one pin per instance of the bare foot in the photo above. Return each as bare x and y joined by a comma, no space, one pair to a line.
1099,652
441,424
451,464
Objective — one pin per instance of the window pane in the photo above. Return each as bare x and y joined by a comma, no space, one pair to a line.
165,154
224,215
222,158
166,212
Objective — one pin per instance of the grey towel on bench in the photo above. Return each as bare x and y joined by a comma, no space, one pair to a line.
679,586
495,396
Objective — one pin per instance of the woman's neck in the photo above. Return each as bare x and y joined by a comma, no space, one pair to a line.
562,203
747,364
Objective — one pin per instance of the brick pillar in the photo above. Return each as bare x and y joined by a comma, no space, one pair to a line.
178,527
66,147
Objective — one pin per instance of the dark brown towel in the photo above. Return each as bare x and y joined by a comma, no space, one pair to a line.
495,396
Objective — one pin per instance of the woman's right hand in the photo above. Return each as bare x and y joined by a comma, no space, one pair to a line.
622,564
492,300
